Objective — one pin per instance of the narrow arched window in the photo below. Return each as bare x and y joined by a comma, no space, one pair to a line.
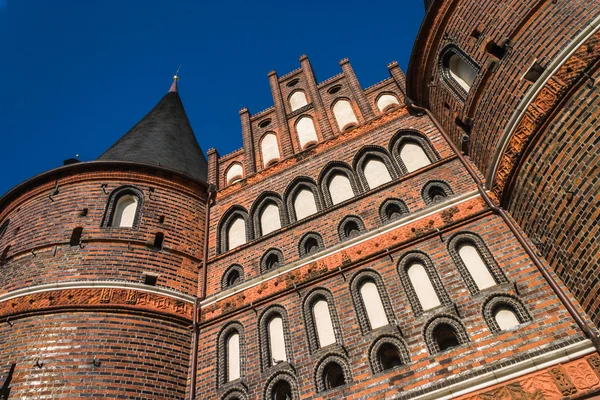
344,114
445,337
236,233
270,219
159,239
376,172
386,102
392,209
304,203
270,149
76,236
311,246
323,323
413,156
235,172
350,227
333,376
307,134
277,349
340,188
4,228
373,305
461,72
125,211
435,192
233,357
424,289
506,318
310,243
271,262
298,100
388,356
476,266
282,390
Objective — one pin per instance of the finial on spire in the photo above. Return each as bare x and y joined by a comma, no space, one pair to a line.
175,79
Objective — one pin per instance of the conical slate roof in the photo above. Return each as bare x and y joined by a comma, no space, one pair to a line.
164,137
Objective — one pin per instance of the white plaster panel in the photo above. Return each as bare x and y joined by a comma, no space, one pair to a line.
269,219
340,188
236,234
477,268
233,357
425,291
306,131
413,157
269,148
373,305
234,173
325,332
506,319
125,211
304,204
344,114
385,101
376,173
277,340
462,72
298,100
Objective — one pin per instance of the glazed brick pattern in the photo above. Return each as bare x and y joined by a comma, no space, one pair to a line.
141,356
550,324
539,29
40,230
557,196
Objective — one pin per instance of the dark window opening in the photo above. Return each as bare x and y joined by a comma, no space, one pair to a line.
445,337
495,50
282,391
76,236
293,82
161,219
437,194
272,262
3,228
150,279
264,123
534,72
333,376
446,106
158,241
388,356
351,230
4,255
393,212
334,89
311,246
476,33
233,278
465,141
462,125
84,212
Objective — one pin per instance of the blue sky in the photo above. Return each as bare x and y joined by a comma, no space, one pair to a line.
77,74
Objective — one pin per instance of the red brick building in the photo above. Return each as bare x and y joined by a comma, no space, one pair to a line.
433,236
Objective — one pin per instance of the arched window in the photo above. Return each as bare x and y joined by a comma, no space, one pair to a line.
504,312
374,167
458,70
373,305
350,227
435,192
475,262
124,208
304,203
236,233
76,236
344,114
302,199
281,386
413,157
392,210
230,353
234,229
271,260
233,276
321,320
235,172
421,282
332,371
269,149
298,100
388,352
310,243
338,183
269,218
307,134
444,333
274,337
386,102
282,390
412,150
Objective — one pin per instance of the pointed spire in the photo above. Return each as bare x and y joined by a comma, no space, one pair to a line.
164,137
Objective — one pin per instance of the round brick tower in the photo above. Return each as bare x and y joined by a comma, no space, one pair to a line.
515,84
100,268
